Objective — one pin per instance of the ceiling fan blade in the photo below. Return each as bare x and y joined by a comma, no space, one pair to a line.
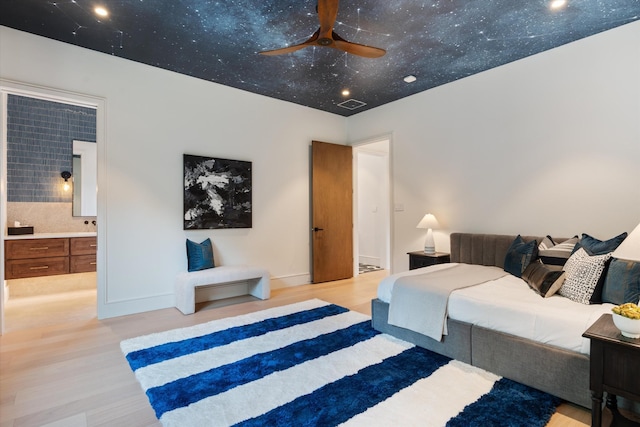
357,49
325,36
327,14
310,42
283,50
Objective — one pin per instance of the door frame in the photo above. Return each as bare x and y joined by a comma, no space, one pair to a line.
12,87
361,146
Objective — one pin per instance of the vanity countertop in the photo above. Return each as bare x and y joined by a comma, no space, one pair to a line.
52,235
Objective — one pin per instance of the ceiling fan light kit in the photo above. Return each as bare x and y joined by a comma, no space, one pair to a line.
326,37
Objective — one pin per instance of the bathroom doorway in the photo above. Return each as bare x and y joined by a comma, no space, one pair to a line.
39,126
372,210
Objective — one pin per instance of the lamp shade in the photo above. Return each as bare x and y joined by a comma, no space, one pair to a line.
428,221
629,249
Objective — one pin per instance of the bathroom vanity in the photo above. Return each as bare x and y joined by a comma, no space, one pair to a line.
48,254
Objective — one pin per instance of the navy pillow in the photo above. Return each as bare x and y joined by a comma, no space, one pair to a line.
594,246
200,255
622,283
519,256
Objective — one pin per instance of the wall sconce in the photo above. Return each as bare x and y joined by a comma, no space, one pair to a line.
66,175
429,221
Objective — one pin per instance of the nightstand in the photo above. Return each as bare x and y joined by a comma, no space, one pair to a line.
420,259
614,368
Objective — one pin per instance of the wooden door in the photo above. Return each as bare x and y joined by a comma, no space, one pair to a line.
332,212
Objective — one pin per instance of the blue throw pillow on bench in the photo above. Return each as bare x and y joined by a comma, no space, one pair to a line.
519,256
200,255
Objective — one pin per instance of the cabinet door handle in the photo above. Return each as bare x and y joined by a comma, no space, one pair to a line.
93,246
93,263
44,267
43,248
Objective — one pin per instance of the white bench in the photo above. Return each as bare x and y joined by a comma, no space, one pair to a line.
186,283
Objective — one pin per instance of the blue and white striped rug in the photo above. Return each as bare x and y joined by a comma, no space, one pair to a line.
318,364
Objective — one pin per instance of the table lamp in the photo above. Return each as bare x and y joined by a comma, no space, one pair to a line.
629,249
429,222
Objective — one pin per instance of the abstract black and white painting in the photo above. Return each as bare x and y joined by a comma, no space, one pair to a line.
217,193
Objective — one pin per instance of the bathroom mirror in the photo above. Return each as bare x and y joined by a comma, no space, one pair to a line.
85,179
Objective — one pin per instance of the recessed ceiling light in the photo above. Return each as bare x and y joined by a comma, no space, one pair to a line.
346,92
410,78
101,11
558,4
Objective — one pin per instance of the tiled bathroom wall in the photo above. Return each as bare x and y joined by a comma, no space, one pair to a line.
40,136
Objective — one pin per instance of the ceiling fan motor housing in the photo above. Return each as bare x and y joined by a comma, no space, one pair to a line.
325,36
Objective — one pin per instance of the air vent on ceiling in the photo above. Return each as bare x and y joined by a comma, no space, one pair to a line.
352,104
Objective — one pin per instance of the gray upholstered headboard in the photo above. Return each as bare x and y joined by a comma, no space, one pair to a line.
483,249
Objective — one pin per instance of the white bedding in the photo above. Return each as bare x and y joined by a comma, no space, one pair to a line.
509,305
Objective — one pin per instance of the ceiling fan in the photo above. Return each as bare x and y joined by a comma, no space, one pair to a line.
325,36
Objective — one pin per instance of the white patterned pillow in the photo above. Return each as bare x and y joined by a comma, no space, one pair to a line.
582,275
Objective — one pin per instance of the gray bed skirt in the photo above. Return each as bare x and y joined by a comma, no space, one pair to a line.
554,370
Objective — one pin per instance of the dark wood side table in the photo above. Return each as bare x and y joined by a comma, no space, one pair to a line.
420,259
614,368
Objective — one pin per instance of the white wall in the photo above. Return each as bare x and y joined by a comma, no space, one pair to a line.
153,118
549,144
546,145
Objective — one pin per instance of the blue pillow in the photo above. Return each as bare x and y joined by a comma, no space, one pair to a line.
622,283
519,256
200,255
594,246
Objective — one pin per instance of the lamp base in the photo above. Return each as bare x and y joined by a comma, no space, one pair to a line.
429,244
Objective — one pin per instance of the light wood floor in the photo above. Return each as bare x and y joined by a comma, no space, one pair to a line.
70,372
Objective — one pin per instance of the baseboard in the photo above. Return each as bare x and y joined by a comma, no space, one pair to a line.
290,280
371,260
133,306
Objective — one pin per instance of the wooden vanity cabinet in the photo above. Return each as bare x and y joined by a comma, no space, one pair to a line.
35,257
21,268
83,245
48,257
83,254
36,248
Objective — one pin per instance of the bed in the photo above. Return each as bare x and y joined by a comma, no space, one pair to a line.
520,335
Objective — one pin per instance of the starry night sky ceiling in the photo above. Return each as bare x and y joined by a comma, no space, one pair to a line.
438,41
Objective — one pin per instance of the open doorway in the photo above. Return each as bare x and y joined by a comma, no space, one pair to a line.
62,287
372,213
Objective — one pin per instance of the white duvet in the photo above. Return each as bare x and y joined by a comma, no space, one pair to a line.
509,305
